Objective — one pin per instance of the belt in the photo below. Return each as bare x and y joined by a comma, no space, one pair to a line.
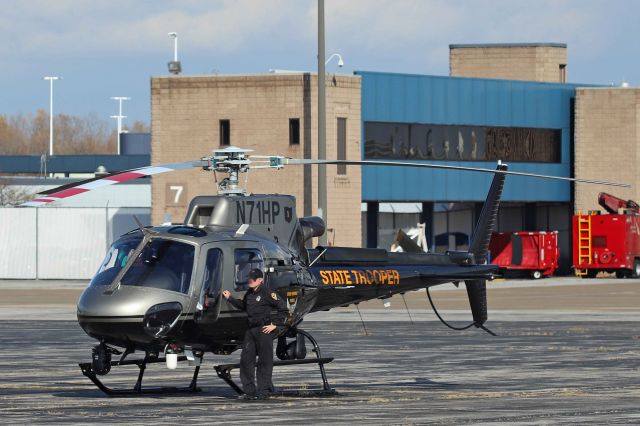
260,323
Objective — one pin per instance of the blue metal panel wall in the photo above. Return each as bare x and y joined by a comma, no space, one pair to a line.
72,163
135,144
403,98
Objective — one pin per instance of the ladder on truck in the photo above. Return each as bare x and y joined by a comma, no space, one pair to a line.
584,242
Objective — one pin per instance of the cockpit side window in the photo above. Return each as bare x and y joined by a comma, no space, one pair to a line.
246,260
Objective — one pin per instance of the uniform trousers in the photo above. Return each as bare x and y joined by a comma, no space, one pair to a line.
256,343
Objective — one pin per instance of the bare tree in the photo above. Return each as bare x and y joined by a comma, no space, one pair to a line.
13,195
22,134
139,127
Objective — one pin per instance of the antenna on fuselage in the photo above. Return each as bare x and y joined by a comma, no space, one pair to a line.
144,230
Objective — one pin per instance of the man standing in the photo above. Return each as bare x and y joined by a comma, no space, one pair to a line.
258,302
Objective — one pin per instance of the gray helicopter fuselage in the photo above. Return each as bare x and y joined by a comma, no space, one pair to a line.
115,308
163,285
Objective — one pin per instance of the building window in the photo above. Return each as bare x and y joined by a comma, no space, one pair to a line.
342,145
225,132
402,141
294,131
563,73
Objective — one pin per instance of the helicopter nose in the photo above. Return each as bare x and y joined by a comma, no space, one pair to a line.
123,303
129,314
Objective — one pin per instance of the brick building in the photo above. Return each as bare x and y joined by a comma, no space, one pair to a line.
607,142
270,114
510,61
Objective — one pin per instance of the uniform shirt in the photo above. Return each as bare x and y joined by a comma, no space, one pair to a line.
259,303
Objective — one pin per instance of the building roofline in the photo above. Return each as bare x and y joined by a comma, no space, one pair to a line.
609,87
497,80
281,74
503,45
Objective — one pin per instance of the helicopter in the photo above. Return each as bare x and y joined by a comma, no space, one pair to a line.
158,289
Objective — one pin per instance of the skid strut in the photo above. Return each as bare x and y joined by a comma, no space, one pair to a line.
87,370
224,372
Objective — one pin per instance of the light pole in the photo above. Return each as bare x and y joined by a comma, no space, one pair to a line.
51,79
322,121
119,117
322,124
174,66
175,45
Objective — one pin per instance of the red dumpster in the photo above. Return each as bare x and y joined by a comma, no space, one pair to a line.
533,253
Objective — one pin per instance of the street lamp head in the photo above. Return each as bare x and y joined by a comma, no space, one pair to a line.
335,55
173,34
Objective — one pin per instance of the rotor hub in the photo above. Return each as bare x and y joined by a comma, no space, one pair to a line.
233,161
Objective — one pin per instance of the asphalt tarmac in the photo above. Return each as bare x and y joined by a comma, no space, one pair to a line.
580,367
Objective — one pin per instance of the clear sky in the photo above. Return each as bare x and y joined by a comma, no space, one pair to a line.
111,48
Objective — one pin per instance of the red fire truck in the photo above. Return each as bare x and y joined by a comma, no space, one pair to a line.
608,242
533,253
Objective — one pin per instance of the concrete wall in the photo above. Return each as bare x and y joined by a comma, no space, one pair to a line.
185,126
509,62
60,243
607,143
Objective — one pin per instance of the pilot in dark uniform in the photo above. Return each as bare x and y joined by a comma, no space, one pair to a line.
258,302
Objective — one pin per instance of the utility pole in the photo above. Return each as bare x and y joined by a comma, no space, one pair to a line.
322,125
119,117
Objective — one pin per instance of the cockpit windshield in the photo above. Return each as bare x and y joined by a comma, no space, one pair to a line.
115,260
162,264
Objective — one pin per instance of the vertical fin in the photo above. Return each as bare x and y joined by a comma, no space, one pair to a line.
477,289
488,217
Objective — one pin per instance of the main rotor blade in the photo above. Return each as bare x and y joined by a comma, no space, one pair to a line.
76,188
287,161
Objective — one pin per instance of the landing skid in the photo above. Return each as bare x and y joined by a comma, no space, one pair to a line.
87,370
224,372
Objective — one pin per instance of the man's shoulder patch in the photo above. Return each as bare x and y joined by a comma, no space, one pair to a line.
274,296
